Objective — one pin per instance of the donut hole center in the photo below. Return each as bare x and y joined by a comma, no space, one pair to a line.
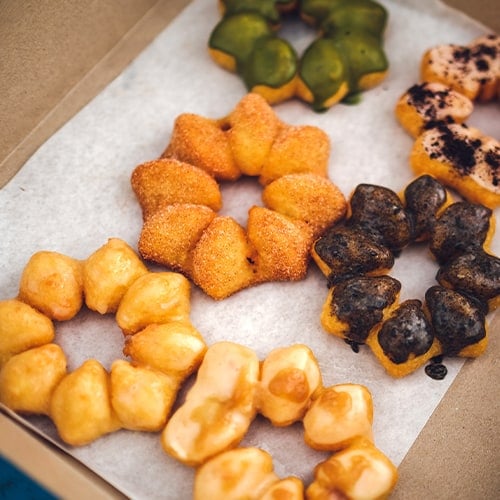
291,456
238,197
415,260
486,117
298,33
90,335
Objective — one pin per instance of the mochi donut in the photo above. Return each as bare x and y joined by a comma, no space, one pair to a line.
461,157
362,305
232,387
346,58
231,384
180,198
473,70
435,111
89,401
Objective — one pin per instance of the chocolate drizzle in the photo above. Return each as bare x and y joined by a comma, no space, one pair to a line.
435,369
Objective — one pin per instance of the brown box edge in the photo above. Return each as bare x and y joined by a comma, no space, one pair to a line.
457,459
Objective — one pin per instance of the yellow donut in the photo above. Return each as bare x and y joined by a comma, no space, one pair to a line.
88,402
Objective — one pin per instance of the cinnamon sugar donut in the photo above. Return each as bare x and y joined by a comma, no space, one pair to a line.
179,196
435,111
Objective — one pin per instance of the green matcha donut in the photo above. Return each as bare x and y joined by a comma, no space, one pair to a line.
346,58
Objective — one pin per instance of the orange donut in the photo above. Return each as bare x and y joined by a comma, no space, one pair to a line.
180,197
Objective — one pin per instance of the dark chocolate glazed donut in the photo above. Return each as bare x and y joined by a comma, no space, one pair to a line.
407,331
424,197
457,320
462,227
362,305
379,212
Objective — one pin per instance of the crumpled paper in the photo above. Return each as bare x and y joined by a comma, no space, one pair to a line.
74,194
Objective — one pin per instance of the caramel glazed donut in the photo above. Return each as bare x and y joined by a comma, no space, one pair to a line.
362,305
179,196
346,58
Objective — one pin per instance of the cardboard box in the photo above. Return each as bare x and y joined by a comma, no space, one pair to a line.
53,64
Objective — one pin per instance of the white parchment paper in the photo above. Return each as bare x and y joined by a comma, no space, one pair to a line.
74,194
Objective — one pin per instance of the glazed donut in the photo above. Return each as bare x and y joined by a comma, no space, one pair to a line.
358,471
232,386
434,113
88,402
180,197
347,57
244,473
362,306
231,389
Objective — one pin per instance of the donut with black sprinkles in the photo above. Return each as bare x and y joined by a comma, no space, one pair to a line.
435,111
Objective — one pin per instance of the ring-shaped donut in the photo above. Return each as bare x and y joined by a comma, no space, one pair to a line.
231,384
362,306
434,112
344,60
180,197
163,346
